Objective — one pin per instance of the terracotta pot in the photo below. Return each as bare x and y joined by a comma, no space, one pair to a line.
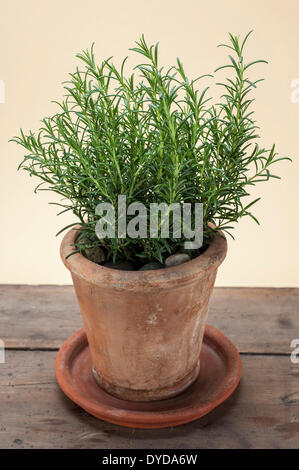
144,328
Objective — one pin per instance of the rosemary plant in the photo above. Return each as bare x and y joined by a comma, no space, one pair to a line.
153,139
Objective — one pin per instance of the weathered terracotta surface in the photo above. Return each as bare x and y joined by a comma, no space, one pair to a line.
144,328
219,376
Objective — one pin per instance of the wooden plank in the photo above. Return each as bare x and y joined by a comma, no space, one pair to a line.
262,413
37,317
257,320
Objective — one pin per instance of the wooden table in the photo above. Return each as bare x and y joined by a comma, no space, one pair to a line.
262,413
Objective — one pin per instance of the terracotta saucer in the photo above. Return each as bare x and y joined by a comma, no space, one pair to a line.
219,376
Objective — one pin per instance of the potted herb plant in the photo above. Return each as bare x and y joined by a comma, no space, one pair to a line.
153,139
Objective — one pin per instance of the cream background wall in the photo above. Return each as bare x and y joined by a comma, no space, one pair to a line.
38,43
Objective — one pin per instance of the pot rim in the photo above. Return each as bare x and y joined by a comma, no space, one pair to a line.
91,272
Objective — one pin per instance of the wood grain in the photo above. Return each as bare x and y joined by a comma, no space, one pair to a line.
257,320
262,413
